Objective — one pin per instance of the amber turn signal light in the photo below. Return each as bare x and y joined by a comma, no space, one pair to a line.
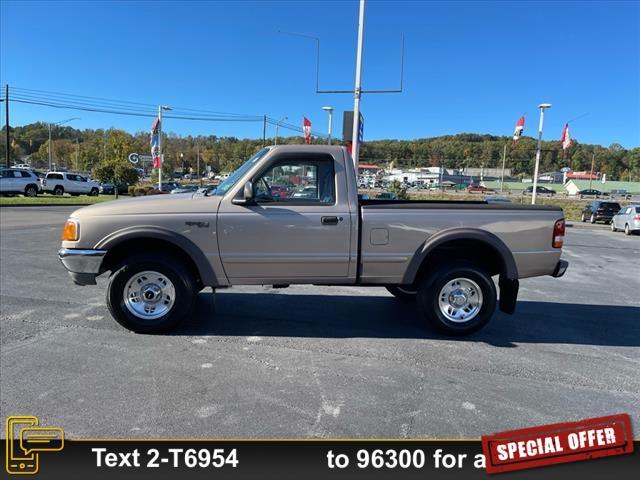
70,231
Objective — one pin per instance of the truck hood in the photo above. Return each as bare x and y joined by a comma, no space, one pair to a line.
182,203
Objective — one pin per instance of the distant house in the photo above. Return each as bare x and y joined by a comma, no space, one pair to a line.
574,186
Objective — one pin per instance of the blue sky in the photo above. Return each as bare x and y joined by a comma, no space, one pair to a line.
469,66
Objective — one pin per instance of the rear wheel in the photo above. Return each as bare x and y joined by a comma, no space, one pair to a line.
583,218
627,230
94,192
405,293
592,219
58,190
613,227
151,293
457,299
31,191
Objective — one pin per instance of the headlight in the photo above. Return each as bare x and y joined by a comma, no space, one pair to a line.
70,231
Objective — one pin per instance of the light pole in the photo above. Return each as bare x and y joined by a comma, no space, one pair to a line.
160,109
355,148
329,110
542,107
56,124
278,125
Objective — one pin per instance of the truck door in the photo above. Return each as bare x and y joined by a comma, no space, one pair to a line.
298,228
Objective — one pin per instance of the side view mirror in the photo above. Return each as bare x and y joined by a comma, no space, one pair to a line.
246,196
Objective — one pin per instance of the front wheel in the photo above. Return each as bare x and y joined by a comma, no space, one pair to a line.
94,192
405,293
457,299
592,219
583,218
150,293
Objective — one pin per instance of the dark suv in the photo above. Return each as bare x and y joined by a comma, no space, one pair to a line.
599,210
539,191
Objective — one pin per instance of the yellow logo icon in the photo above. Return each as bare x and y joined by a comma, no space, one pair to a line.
25,441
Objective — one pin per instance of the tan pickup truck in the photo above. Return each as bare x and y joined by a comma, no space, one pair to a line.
291,215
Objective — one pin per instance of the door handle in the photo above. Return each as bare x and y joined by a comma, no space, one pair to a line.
329,220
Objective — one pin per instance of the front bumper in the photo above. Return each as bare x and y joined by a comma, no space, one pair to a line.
83,265
560,269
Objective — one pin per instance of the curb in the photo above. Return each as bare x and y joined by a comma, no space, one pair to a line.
587,226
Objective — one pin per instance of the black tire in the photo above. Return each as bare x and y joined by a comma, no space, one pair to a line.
31,191
613,227
183,283
94,192
627,230
404,293
431,286
58,190
592,219
583,218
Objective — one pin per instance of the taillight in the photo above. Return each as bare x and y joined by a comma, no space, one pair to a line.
636,217
558,233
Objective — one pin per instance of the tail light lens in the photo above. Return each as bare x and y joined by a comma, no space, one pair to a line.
70,231
636,217
558,234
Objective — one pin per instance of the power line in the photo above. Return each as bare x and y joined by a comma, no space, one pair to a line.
136,109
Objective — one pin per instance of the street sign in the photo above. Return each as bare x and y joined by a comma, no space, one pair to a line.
347,126
136,157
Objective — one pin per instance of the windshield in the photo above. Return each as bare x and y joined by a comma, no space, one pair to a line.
231,180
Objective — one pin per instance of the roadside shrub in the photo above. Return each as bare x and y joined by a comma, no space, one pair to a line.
139,191
131,190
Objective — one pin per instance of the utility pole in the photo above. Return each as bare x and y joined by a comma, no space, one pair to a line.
77,152
49,144
504,159
542,108
6,111
593,159
264,131
355,149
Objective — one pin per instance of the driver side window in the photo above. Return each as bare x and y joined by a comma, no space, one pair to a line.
297,181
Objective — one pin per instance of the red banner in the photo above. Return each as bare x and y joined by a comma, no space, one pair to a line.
558,443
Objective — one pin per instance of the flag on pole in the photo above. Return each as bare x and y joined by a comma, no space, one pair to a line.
519,129
306,128
565,139
155,143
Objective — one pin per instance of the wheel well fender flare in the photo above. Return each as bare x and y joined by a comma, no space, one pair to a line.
508,269
181,242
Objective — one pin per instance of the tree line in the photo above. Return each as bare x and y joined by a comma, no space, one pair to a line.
85,150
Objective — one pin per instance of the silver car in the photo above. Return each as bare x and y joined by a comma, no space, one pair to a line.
627,219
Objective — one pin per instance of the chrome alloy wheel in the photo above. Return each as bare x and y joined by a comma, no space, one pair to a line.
149,295
460,300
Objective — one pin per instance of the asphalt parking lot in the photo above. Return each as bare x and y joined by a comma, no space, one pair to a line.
315,361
